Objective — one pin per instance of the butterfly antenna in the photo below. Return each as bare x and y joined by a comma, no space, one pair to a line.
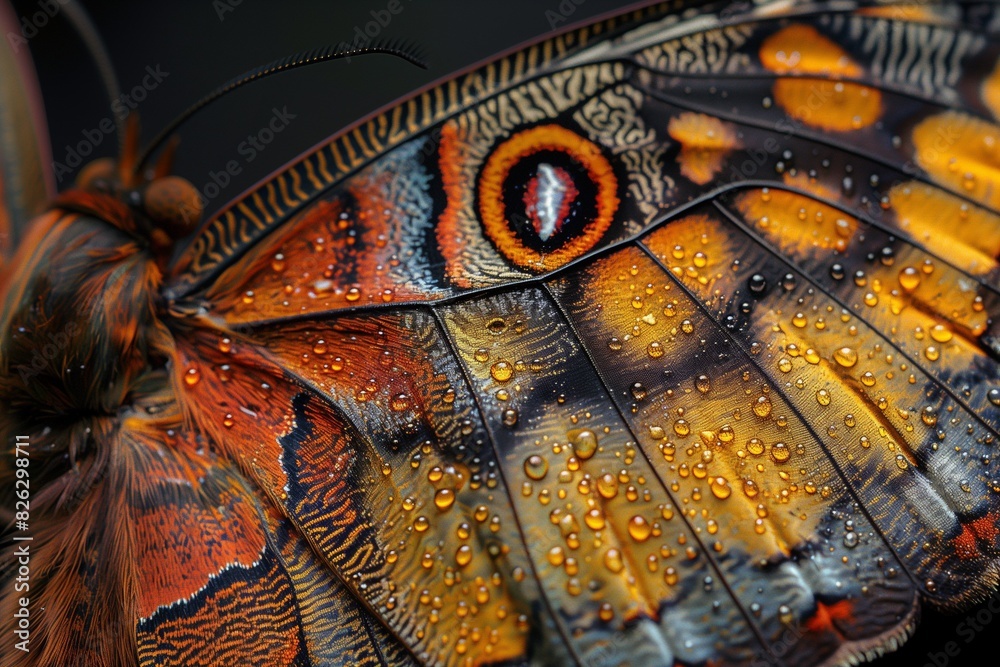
85,28
399,49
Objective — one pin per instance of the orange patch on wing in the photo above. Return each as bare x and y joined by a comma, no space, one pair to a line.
991,91
807,62
961,152
795,222
183,546
970,240
826,616
705,143
333,256
246,622
450,236
967,543
916,13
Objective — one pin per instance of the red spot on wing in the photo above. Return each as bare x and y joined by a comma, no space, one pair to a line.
826,616
983,529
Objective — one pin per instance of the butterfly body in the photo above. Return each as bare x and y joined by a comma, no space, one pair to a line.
645,345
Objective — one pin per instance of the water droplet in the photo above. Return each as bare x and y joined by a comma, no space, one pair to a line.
607,486
444,499
594,518
762,406
682,428
639,528
929,415
909,278
638,391
536,467
932,353
421,524
463,556
584,444
823,397
994,396
780,452
509,417
613,560
556,556
846,357
868,379
496,326
502,371
757,283
755,446
941,333
655,349
720,487
399,403
192,376
703,384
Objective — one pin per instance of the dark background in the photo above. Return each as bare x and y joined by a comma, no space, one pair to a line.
202,43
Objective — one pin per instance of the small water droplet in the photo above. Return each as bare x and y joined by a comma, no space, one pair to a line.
536,467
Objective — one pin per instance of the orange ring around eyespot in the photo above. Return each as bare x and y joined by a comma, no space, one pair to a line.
515,149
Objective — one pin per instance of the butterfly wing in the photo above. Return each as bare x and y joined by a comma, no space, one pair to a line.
666,341
738,405
26,183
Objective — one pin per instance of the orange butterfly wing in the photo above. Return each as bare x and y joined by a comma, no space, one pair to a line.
646,344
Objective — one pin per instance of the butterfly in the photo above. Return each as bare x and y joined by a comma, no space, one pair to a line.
665,341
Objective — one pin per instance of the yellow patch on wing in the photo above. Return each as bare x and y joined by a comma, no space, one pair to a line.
795,222
961,152
970,240
705,143
824,103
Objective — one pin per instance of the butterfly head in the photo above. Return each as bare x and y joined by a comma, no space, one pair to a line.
165,207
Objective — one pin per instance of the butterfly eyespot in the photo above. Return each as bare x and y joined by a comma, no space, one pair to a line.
546,196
